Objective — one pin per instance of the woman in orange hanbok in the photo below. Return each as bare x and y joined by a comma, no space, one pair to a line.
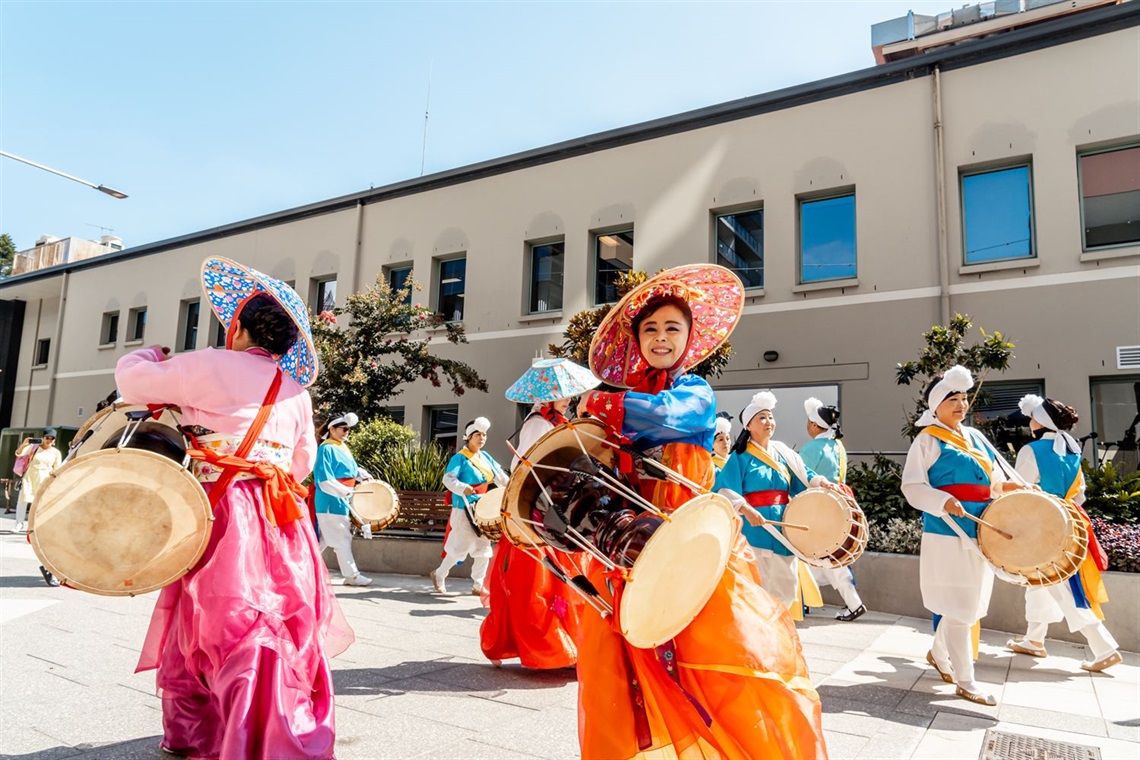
733,685
533,616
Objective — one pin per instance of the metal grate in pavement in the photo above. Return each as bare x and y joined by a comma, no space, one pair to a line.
1000,745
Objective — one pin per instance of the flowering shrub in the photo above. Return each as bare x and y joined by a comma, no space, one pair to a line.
898,535
1121,543
372,442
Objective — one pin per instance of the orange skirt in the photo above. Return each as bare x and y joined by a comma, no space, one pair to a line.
740,660
533,616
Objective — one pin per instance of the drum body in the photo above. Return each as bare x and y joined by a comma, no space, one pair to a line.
837,528
120,522
488,515
1049,540
374,503
541,504
105,429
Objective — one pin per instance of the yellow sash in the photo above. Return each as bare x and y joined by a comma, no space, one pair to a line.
767,459
719,461
810,595
842,463
488,475
963,444
1088,572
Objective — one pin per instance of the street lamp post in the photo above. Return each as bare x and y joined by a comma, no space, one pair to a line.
101,188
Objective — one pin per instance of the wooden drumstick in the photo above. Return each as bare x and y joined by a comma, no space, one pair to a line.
992,527
778,524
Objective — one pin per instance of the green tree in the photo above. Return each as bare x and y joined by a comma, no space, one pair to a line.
580,330
7,254
381,346
945,347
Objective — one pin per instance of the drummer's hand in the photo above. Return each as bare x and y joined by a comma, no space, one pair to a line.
468,491
162,352
952,507
753,517
835,487
1009,486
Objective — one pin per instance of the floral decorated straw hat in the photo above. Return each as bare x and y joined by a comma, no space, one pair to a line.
551,380
228,285
715,297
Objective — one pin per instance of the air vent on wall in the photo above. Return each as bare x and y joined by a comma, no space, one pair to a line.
1128,357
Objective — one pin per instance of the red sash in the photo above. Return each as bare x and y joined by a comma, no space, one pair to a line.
974,492
282,492
766,498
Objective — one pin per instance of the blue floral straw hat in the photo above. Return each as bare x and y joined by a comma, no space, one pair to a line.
228,285
550,380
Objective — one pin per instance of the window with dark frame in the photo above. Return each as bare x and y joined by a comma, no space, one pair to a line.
740,245
219,332
190,313
613,254
109,330
398,280
136,324
43,351
443,426
997,215
1110,197
394,413
547,263
325,295
451,288
827,238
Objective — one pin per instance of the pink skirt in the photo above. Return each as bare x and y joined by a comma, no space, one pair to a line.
241,641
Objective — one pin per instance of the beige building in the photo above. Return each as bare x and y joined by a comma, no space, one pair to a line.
998,177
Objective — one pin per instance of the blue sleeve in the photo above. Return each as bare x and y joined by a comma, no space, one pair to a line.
323,469
730,475
455,464
685,410
813,453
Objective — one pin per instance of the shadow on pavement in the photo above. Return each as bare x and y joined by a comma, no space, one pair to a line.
135,749
471,613
446,676
23,581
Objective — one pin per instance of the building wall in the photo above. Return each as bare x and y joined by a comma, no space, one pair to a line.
1066,310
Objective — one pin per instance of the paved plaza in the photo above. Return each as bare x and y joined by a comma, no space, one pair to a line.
416,685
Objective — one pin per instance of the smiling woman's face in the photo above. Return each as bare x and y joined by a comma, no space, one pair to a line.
663,336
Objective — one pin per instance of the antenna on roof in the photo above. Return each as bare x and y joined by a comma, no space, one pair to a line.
101,227
427,110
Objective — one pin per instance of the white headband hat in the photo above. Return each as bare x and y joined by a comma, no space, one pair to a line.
1033,407
761,401
349,419
812,407
957,379
478,425
723,425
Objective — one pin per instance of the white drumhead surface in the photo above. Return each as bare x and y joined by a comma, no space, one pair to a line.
120,522
678,571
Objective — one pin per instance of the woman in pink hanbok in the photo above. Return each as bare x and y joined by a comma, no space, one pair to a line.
241,642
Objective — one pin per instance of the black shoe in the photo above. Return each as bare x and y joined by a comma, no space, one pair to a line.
49,579
848,615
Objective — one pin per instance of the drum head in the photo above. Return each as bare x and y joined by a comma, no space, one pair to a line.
106,426
376,502
1044,546
517,532
678,570
828,518
120,522
558,448
489,507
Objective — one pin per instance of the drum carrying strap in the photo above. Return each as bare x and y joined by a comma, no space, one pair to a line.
283,494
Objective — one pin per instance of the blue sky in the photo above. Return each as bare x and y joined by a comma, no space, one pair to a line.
210,113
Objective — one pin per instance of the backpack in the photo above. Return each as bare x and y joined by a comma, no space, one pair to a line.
22,463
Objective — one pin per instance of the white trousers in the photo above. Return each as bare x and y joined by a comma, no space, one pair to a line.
22,506
778,575
1051,604
336,531
462,542
952,643
840,579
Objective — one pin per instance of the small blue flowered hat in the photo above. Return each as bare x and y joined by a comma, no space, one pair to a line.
550,380
227,284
